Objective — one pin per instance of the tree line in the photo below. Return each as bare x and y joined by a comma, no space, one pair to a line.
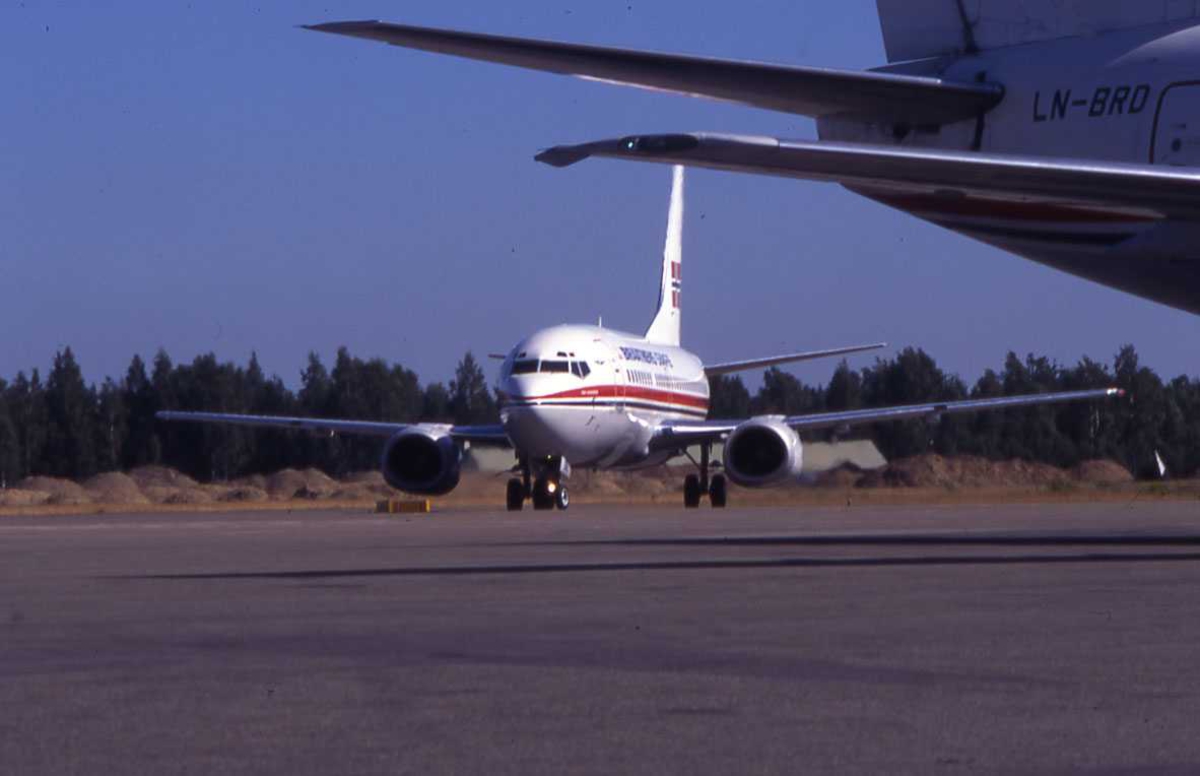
61,426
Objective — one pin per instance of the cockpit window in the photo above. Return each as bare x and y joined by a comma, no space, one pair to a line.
555,366
525,367
580,369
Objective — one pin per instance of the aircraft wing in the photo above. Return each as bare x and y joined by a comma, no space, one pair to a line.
947,176
493,434
801,90
684,433
759,363
936,409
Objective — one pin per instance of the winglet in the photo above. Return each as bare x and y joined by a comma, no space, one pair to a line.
667,146
563,156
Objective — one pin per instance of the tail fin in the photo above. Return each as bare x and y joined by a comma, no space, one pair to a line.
917,29
664,329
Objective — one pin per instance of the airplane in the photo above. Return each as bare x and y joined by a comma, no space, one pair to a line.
592,397
1066,133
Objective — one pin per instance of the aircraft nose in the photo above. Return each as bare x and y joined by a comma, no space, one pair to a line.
538,429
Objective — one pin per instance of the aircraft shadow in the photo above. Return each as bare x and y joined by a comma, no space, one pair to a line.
894,540
685,565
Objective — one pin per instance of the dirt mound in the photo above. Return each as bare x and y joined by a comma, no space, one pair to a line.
160,477
60,491
184,496
308,484
845,476
256,481
369,478
244,494
935,471
602,484
644,485
114,488
358,493
12,497
1101,472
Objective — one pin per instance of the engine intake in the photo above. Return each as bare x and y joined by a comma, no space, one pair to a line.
763,451
423,460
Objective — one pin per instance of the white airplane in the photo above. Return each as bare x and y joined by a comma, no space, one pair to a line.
588,396
1064,132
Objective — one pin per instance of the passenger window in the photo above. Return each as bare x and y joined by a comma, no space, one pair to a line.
555,366
526,367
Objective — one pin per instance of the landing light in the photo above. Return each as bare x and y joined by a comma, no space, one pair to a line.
551,487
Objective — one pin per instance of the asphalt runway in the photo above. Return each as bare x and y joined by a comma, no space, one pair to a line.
1009,639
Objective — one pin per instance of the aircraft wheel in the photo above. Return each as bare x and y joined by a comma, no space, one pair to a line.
515,495
717,491
562,499
542,499
691,491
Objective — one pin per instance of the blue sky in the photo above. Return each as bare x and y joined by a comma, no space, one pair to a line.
206,177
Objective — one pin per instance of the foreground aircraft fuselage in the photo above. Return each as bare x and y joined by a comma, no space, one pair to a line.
1067,133
1129,96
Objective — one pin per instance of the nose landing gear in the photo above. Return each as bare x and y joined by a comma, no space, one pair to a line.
545,492
696,486
549,493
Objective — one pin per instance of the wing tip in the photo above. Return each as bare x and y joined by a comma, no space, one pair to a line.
342,28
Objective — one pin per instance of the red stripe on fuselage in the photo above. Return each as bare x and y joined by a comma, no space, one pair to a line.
974,207
632,392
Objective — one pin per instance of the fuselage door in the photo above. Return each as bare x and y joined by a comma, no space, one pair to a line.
1177,127
609,373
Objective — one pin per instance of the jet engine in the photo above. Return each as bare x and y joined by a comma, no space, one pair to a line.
763,451
423,460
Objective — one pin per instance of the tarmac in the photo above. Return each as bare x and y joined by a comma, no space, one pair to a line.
1003,639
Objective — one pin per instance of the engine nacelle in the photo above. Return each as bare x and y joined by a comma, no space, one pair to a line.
423,460
763,451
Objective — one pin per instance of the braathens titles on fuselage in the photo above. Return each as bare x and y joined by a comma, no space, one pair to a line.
592,397
1067,133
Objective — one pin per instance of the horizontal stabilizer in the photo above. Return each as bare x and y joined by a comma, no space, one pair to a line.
943,175
762,363
806,91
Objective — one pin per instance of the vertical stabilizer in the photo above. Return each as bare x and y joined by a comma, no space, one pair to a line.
664,329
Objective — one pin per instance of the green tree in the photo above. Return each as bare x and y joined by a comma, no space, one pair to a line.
371,390
435,404
315,400
111,426
10,443
913,377
1141,419
845,389
70,434
141,443
471,402
728,398
27,410
783,394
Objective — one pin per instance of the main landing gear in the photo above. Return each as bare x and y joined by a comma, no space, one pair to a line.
546,492
696,486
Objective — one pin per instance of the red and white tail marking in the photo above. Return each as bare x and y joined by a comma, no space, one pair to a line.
664,330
